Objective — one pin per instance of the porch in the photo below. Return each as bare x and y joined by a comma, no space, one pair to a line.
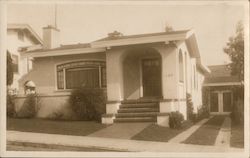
143,83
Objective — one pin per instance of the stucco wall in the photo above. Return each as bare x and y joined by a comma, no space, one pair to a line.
48,105
44,71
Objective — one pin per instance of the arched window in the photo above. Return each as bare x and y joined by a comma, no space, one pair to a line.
181,69
86,74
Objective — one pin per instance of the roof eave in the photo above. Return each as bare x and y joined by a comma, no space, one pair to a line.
50,53
139,40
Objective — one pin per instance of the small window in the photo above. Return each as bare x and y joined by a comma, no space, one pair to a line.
14,63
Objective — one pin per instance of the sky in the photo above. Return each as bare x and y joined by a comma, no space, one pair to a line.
213,23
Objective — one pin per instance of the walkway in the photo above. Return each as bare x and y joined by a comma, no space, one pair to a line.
223,138
112,144
184,135
120,130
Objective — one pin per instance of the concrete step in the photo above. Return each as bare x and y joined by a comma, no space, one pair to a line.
138,101
135,119
144,114
139,105
139,110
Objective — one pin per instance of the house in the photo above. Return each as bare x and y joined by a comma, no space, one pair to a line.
145,76
20,37
220,88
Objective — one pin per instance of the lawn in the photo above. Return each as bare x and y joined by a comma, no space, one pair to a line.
207,133
78,128
161,134
237,135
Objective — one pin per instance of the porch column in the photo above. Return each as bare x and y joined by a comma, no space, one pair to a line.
170,80
114,85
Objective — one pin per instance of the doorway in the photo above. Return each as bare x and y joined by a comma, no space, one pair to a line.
221,102
151,77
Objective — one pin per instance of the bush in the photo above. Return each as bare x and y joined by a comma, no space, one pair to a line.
29,108
88,104
203,112
10,106
190,108
175,119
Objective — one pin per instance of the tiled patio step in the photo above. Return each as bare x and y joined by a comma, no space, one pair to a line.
144,114
135,119
134,110
139,105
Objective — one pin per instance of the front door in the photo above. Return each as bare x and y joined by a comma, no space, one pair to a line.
221,102
151,77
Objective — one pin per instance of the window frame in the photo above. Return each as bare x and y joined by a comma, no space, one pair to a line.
82,64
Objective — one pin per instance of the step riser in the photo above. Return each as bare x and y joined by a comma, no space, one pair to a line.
139,106
135,120
125,115
137,111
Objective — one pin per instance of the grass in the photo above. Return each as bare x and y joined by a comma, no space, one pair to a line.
237,135
207,133
78,128
27,146
160,134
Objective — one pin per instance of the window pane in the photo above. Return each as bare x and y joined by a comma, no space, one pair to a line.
60,78
82,77
214,102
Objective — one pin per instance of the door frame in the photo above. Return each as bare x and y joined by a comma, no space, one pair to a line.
141,73
220,101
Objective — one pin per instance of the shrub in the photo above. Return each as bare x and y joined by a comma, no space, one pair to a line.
88,104
30,107
190,108
203,112
10,106
175,119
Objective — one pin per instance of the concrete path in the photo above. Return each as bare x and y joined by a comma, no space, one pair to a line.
223,138
184,135
120,130
112,144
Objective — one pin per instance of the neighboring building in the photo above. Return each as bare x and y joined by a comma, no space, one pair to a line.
20,37
220,87
142,70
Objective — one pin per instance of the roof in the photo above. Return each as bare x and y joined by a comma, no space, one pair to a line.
220,74
142,35
34,36
63,47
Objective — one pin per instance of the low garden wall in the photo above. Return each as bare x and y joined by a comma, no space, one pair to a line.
48,105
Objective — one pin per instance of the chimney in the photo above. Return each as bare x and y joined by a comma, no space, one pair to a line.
51,37
115,34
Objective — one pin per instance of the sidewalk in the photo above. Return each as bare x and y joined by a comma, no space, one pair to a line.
112,144
223,138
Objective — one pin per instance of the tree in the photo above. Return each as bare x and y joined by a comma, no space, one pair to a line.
235,50
9,69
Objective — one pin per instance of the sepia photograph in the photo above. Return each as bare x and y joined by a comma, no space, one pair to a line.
125,78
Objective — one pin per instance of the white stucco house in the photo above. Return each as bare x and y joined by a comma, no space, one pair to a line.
145,76
19,38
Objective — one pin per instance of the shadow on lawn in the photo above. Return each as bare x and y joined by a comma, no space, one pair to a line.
78,128
161,134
